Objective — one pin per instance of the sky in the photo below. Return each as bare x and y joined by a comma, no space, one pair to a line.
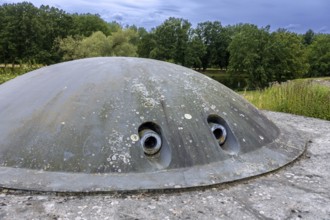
294,15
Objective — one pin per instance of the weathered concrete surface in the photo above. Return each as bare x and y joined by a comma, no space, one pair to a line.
299,190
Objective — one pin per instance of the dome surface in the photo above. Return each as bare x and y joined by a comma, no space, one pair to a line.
120,124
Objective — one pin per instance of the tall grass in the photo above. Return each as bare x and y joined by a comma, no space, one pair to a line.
6,76
10,72
301,97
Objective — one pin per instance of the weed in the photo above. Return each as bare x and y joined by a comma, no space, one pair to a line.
8,73
301,97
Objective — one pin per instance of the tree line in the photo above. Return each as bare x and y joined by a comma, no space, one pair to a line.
48,35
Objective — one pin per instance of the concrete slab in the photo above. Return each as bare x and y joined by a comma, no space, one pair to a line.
299,190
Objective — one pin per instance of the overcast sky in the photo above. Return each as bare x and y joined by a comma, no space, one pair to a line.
295,15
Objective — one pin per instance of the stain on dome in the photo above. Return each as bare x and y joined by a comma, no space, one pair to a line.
120,124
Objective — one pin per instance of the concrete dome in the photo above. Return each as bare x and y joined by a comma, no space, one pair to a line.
118,124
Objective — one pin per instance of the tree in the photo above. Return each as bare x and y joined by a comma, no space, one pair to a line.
3,46
122,43
56,23
207,32
267,57
87,24
114,26
20,32
287,56
195,51
216,40
27,33
308,37
142,32
171,40
98,44
69,47
94,46
249,53
319,56
220,55
147,43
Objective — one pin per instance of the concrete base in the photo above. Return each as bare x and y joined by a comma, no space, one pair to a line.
299,190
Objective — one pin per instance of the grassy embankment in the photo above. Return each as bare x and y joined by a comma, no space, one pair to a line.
308,97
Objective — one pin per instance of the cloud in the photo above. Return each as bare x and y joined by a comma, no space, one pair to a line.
301,14
292,27
118,17
324,29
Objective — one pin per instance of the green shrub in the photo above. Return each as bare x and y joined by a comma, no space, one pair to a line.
301,97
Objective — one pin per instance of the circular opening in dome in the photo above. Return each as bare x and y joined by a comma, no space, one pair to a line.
151,138
217,133
150,142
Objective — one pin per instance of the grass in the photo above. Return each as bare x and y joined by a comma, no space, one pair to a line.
9,72
301,97
6,76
